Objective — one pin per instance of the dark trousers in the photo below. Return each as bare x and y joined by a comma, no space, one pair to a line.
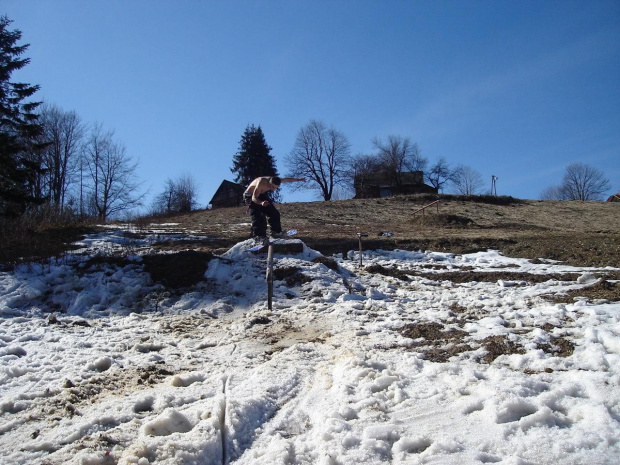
259,222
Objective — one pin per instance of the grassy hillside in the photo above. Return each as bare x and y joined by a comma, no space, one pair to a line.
581,233
578,233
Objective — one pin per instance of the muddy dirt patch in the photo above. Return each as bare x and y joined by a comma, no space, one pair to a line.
499,345
291,275
280,333
177,270
603,290
387,271
74,395
460,277
437,342
559,347
443,220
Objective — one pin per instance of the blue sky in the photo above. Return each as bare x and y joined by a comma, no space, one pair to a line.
516,89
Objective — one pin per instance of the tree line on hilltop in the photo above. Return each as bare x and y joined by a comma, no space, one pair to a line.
321,154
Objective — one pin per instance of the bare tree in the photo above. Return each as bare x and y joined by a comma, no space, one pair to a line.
397,156
64,132
187,191
465,180
114,186
552,193
580,182
439,174
584,182
164,202
320,155
179,196
363,165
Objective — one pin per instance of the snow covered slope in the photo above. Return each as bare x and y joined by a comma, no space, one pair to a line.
394,363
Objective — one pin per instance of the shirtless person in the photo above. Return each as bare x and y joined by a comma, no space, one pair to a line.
259,205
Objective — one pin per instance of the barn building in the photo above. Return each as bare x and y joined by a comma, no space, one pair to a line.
229,194
376,185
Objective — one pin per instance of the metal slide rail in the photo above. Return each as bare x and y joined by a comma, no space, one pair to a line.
436,202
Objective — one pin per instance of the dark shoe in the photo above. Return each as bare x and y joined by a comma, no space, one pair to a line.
279,235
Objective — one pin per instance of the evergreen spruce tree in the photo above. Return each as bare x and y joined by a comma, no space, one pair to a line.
253,158
19,127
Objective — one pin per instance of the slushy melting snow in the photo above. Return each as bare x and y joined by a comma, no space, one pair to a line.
389,363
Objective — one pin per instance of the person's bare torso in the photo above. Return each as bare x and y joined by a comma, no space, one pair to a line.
259,186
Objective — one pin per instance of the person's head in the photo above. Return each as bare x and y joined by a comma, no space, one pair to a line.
275,182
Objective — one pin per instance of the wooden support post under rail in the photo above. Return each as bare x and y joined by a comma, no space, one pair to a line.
359,237
270,276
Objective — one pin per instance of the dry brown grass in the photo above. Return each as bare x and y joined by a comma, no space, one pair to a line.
579,233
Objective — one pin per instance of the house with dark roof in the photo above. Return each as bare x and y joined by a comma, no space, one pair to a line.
614,198
378,185
229,194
